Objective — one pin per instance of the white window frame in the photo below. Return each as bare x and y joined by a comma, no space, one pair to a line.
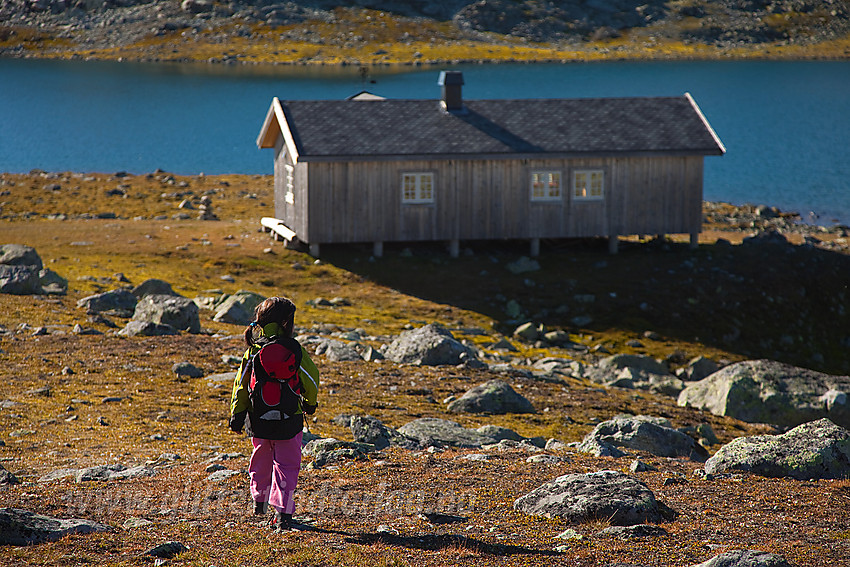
289,175
586,191
546,185
417,187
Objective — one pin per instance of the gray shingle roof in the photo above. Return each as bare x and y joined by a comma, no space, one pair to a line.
499,128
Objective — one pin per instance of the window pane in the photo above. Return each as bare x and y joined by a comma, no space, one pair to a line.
581,184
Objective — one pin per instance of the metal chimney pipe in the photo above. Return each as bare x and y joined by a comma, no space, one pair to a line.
451,83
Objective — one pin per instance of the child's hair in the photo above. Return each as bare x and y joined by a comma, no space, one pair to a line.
278,310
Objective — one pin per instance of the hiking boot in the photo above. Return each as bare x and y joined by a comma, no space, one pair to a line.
260,508
282,522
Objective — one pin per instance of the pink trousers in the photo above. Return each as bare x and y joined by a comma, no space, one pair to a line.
274,469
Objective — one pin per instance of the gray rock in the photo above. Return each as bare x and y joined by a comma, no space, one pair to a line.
765,391
598,448
366,429
7,478
431,345
140,471
222,475
20,255
118,301
178,312
494,397
819,449
59,474
523,265
527,332
153,286
147,329
187,369
605,495
52,283
238,309
167,550
608,370
644,433
499,433
338,351
328,450
699,368
19,280
22,527
746,558
433,432
632,532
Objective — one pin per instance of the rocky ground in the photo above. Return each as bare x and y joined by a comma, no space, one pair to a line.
421,32
78,395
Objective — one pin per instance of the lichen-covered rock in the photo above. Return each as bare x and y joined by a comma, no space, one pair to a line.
430,431
19,280
22,527
431,345
819,449
120,302
153,286
745,558
179,313
605,495
238,309
494,396
643,433
20,255
765,391
367,429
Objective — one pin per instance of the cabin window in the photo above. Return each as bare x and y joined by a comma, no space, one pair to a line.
417,188
545,185
289,196
589,184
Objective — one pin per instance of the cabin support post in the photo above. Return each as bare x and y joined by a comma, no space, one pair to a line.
454,248
314,249
378,249
534,248
613,243
694,239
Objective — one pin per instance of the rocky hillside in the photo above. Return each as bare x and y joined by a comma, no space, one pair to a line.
376,31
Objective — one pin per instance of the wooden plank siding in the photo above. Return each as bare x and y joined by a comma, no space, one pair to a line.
484,199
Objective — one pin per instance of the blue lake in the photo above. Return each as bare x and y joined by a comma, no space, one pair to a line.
786,125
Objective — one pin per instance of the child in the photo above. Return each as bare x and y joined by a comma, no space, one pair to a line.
276,459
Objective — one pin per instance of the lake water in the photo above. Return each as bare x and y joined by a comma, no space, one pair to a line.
786,125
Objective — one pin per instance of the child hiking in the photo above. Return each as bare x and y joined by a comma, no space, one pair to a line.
276,385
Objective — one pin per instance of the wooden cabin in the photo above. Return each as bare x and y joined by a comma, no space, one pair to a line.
380,170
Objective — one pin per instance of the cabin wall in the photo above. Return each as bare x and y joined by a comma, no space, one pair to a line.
291,200
490,199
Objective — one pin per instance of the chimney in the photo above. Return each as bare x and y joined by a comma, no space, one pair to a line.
452,82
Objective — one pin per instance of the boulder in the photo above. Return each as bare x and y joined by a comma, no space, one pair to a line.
745,558
153,286
643,433
179,313
326,451
7,478
187,369
607,371
431,345
238,309
605,495
367,429
819,449
430,431
147,329
338,351
700,367
22,527
52,283
119,302
494,396
20,255
19,280
765,391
